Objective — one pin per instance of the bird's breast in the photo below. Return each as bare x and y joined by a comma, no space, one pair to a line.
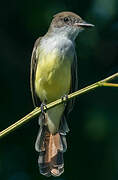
53,75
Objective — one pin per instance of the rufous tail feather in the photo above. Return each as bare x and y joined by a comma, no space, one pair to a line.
51,148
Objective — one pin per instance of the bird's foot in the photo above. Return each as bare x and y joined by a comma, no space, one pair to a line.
64,98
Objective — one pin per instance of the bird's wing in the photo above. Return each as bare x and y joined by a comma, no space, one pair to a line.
34,60
74,85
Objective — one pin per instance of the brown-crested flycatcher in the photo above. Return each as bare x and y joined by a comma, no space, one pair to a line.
53,75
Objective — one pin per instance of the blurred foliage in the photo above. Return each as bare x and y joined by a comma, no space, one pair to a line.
92,141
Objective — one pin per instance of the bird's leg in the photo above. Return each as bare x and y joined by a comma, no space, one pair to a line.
43,110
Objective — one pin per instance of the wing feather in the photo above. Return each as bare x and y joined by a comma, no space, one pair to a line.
74,85
34,60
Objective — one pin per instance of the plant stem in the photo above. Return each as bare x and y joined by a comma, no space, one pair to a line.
37,110
109,84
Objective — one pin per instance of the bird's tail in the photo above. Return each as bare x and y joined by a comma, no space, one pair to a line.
51,148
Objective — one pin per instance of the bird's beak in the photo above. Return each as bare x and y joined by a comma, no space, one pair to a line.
84,24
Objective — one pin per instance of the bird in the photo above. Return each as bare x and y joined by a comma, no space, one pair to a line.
54,74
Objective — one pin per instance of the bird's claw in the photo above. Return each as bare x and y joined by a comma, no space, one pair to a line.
64,98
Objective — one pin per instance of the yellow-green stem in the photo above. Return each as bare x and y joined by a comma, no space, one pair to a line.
37,110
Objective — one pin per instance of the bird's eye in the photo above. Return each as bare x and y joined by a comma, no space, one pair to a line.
66,19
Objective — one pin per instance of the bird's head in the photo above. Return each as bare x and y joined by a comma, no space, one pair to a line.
68,24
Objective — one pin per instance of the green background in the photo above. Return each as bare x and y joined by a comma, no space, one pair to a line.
93,139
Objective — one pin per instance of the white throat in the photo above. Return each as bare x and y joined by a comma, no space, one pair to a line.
58,42
69,32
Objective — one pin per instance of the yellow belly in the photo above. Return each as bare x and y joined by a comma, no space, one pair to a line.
53,77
